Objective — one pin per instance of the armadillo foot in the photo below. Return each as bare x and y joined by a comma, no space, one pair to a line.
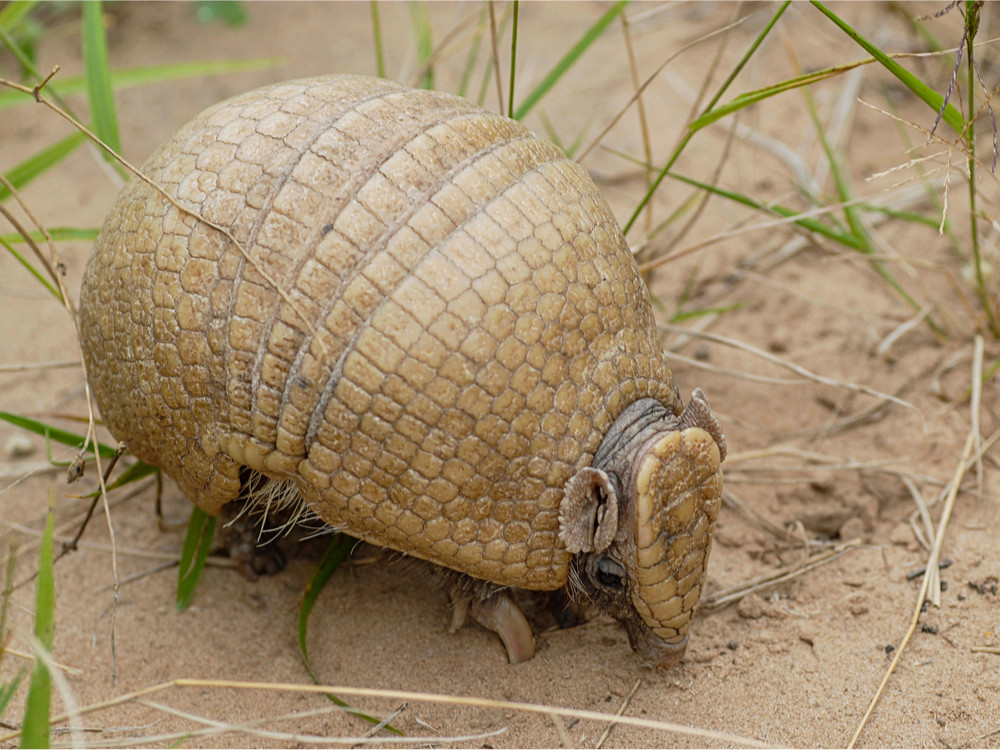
239,536
500,614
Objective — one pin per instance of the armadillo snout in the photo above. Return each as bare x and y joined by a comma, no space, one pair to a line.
678,492
652,649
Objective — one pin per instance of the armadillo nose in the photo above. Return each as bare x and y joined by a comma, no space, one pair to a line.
655,651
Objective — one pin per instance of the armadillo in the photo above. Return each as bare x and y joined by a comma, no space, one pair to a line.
426,322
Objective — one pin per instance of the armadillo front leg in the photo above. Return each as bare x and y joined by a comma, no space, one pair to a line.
499,613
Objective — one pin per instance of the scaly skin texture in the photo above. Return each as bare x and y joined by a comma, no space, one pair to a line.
432,325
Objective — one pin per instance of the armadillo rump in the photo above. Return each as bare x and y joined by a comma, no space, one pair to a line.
422,321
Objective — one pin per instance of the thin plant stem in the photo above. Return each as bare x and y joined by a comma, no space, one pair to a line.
496,56
513,56
972,25
718,95
377,32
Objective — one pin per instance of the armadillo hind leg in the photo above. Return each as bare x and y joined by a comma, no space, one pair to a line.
265,525
239,537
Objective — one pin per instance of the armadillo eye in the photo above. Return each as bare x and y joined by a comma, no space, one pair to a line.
609,573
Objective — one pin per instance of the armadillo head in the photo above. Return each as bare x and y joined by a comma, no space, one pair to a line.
640,519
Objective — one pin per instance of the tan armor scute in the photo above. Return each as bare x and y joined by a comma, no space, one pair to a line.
433,319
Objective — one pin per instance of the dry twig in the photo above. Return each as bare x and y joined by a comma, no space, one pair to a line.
932,574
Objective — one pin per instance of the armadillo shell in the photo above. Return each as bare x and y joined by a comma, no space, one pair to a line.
432,322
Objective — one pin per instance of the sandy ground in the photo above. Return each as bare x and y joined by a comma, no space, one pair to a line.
796,663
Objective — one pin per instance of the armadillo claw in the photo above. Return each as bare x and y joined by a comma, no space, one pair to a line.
459,612
500,614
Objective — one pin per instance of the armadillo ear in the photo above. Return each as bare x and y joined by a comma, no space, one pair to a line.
698,413
588,512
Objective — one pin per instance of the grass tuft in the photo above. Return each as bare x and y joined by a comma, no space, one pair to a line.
197,545
336,551
100,97
567,60
54,433
9,688
35,727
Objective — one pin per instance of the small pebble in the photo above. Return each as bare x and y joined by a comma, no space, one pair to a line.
19,446
852,528
750,607
932,629
824,486
732,645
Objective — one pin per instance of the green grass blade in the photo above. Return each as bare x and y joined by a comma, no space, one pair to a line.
753,97
230,12
58,234
8,588
550,131
808,223
925,93
339,548
45,600
100,96
574,147
552,135
513,57
692,314
377,34
758,40
131,77
33,166
14,22
560,68
932,222
424,39
142,76
14,14
197,544
135,472
54,433
470,59
35,728
852,212
8,689
971,29
31,269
